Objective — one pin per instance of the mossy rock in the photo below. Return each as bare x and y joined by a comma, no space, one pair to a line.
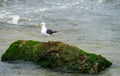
57,56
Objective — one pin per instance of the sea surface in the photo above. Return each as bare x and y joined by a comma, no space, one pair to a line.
92,25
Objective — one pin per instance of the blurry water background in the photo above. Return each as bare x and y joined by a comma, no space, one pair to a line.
92,25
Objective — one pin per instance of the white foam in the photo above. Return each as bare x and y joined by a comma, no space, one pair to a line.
14,19
53,3
3,14
67,5
101,1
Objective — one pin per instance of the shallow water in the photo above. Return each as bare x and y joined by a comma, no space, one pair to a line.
92,25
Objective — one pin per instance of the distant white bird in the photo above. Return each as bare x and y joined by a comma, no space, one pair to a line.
15,19
46,31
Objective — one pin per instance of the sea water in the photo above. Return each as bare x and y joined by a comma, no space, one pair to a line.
92,25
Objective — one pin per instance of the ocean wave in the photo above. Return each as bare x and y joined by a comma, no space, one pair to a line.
51,8
36,9
14,19
3,14
3,2
101,1
67,5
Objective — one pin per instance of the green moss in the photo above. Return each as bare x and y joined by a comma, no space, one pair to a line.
56,55
22,50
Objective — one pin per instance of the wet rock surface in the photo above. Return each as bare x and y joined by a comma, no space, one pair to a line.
57,56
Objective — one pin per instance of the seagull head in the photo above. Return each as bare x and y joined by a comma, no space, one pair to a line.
41,24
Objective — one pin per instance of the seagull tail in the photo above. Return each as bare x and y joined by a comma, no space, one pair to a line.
55,31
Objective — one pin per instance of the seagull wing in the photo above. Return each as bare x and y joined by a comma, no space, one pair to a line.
49,31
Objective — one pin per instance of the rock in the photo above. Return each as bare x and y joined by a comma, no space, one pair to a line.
57,56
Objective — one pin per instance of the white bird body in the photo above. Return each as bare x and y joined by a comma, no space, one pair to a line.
46,31
43,30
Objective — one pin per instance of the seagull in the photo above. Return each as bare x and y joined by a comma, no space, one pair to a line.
46,31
